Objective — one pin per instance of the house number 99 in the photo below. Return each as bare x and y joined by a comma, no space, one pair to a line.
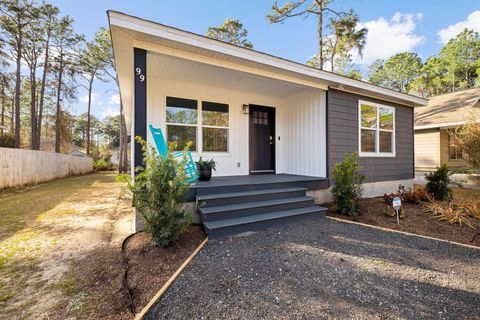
138,71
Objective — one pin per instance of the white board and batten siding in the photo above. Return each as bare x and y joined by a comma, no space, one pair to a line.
300,124
20,167
427,149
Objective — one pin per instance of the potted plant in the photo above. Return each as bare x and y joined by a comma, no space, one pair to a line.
204,169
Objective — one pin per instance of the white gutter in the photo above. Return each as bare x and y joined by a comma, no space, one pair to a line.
442,125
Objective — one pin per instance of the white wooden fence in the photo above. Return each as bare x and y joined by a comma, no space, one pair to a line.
20,167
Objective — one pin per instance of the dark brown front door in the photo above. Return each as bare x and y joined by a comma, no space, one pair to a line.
262,139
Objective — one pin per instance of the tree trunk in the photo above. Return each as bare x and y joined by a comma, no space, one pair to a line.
121,146
320,38
18,80
90,85
42,92
12,113
334,52
3,104
58,112
33,109
123,154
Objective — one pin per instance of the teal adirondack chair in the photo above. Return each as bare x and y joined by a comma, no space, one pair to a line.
162,149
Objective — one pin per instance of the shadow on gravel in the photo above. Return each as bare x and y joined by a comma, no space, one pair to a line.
326,269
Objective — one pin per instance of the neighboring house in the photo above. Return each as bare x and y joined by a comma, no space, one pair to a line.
255,113
435,124
66,147
115,159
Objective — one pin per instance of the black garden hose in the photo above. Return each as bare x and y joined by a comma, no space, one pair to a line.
125,273
476,235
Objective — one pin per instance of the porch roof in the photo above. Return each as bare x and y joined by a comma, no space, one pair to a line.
128,32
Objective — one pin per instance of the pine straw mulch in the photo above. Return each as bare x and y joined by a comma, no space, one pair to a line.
416,221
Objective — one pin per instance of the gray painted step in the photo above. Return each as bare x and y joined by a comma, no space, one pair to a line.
219,228
309,184
222,199
254,208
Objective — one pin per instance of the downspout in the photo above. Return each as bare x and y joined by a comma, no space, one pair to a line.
327,152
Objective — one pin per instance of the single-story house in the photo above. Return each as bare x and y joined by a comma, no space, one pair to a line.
435,125
270,123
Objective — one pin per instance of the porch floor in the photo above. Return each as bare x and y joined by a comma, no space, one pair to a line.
226,181
227,184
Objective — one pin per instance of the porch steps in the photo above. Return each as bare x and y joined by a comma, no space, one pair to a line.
233,212
221,199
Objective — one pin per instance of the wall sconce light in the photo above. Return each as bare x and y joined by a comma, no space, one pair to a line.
245,108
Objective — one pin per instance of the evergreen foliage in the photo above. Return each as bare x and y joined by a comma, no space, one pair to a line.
159,192
231,31
437,183
347,190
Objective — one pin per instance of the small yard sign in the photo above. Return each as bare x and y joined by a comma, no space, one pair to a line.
397,204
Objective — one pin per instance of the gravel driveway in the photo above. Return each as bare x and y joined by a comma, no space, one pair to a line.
326,269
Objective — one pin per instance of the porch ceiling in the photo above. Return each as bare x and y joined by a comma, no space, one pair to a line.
169,67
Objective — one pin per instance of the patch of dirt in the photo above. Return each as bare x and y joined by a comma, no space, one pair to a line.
98,276
416,221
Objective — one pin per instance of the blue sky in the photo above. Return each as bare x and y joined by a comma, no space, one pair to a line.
394,26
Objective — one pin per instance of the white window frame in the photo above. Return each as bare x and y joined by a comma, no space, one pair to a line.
377,152
199,125
450,136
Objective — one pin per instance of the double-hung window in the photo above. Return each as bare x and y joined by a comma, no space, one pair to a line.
376,129
214,127
454,149
182,122
189,121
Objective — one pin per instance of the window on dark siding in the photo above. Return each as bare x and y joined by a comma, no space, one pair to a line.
376,129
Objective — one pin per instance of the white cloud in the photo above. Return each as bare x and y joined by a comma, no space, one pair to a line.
110,111
388,37
95,96
472,22
114,99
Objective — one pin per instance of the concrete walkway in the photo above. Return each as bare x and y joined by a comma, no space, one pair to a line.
325,269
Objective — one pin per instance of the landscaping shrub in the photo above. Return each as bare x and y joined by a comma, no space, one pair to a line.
407,196
457,212
159,192
7,140
103,165
347,190
437,183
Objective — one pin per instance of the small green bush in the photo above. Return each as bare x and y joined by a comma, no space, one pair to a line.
7,140
437,183
347,189
102,165
159,193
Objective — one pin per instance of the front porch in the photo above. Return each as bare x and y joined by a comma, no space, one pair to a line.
233,204
257,182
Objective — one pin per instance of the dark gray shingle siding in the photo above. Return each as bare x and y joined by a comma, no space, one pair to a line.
342,126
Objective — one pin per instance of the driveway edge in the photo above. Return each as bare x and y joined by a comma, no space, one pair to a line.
403,232
167,284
